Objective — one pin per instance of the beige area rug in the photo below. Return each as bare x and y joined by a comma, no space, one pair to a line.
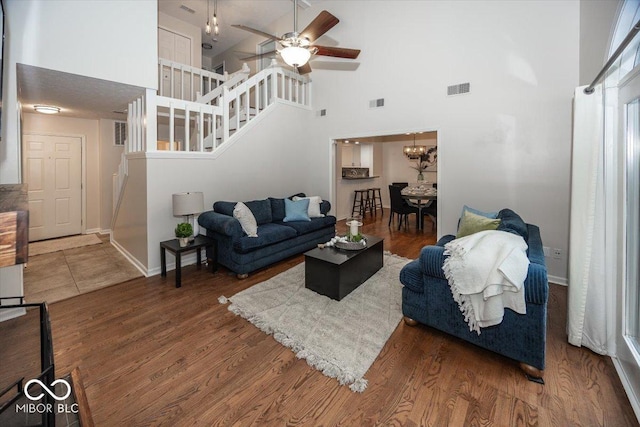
54,245
341,339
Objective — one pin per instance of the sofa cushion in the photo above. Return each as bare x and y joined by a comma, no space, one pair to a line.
296,210
512,223
325,207
277,209
261,209
304,227
246,219
472,223
224,208
314,206
268,234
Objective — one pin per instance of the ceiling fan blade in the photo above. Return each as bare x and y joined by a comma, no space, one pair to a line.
258,32
338,52
305,69
270,54
323,23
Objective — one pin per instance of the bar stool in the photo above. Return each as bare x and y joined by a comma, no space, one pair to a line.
360,202
375,201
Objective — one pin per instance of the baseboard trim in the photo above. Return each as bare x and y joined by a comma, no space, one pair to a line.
189,259
107,231
558,280
92,231
628,388
11,313
133,260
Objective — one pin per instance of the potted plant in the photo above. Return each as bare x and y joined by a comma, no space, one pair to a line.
184,230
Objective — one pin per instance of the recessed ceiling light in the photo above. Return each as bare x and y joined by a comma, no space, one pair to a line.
46,109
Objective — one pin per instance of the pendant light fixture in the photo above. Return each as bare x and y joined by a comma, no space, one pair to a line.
207,29
216,29
414,151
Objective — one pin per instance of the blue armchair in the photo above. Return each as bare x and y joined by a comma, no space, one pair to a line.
427,299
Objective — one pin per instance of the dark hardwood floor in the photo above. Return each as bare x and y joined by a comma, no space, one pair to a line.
152,354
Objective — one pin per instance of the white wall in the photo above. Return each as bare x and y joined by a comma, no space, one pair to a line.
596,29
507,143
269,160
185,29
46,124
110,157
131,232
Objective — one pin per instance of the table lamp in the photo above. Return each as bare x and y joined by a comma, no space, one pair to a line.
187,205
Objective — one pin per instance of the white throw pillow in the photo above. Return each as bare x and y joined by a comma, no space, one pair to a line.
247,221
314,206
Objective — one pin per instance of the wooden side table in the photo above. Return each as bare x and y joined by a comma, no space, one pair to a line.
197,244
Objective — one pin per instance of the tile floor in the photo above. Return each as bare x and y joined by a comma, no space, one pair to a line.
60,275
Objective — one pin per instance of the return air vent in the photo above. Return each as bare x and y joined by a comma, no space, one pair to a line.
459,89
322,112
376,103
187,8
119,133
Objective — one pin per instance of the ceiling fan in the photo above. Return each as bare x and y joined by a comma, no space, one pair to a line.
297,47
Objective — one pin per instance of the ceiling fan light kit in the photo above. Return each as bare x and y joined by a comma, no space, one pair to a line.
295,56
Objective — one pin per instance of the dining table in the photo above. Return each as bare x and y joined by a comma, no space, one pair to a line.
420,196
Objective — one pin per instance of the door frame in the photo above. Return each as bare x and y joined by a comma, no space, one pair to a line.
627,360
83,168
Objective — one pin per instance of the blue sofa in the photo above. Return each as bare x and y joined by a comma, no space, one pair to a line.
427,299
276,239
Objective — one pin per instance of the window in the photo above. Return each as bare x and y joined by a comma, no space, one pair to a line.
119,133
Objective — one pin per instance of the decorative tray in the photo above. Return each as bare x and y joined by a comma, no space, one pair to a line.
350,246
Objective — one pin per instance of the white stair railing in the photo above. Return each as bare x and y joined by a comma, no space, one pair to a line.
234,80
261,90
188,126
181,117
185,82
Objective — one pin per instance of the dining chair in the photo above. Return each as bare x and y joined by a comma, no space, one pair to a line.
432,212
400,184
399,206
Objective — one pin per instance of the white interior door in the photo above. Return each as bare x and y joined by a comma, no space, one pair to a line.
174,47
53,172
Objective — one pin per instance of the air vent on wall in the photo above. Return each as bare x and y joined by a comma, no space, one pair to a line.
187,8
459,89
322,112
119,133
376,103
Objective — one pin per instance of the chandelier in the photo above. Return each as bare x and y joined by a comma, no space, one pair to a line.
414,151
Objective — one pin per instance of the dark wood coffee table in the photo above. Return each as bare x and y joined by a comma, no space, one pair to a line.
336,272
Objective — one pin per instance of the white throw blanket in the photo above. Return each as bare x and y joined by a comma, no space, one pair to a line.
486,272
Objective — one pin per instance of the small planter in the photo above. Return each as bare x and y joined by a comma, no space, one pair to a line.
184,241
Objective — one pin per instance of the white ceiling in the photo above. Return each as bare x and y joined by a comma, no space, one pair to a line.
252,13
77,96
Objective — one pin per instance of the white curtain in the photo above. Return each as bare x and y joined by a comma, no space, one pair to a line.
588,294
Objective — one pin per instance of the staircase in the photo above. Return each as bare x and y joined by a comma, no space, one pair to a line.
197,112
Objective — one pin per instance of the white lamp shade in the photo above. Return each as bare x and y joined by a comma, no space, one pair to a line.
295,56
188,203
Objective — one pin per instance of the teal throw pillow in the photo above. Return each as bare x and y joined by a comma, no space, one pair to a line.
472,223
296,210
